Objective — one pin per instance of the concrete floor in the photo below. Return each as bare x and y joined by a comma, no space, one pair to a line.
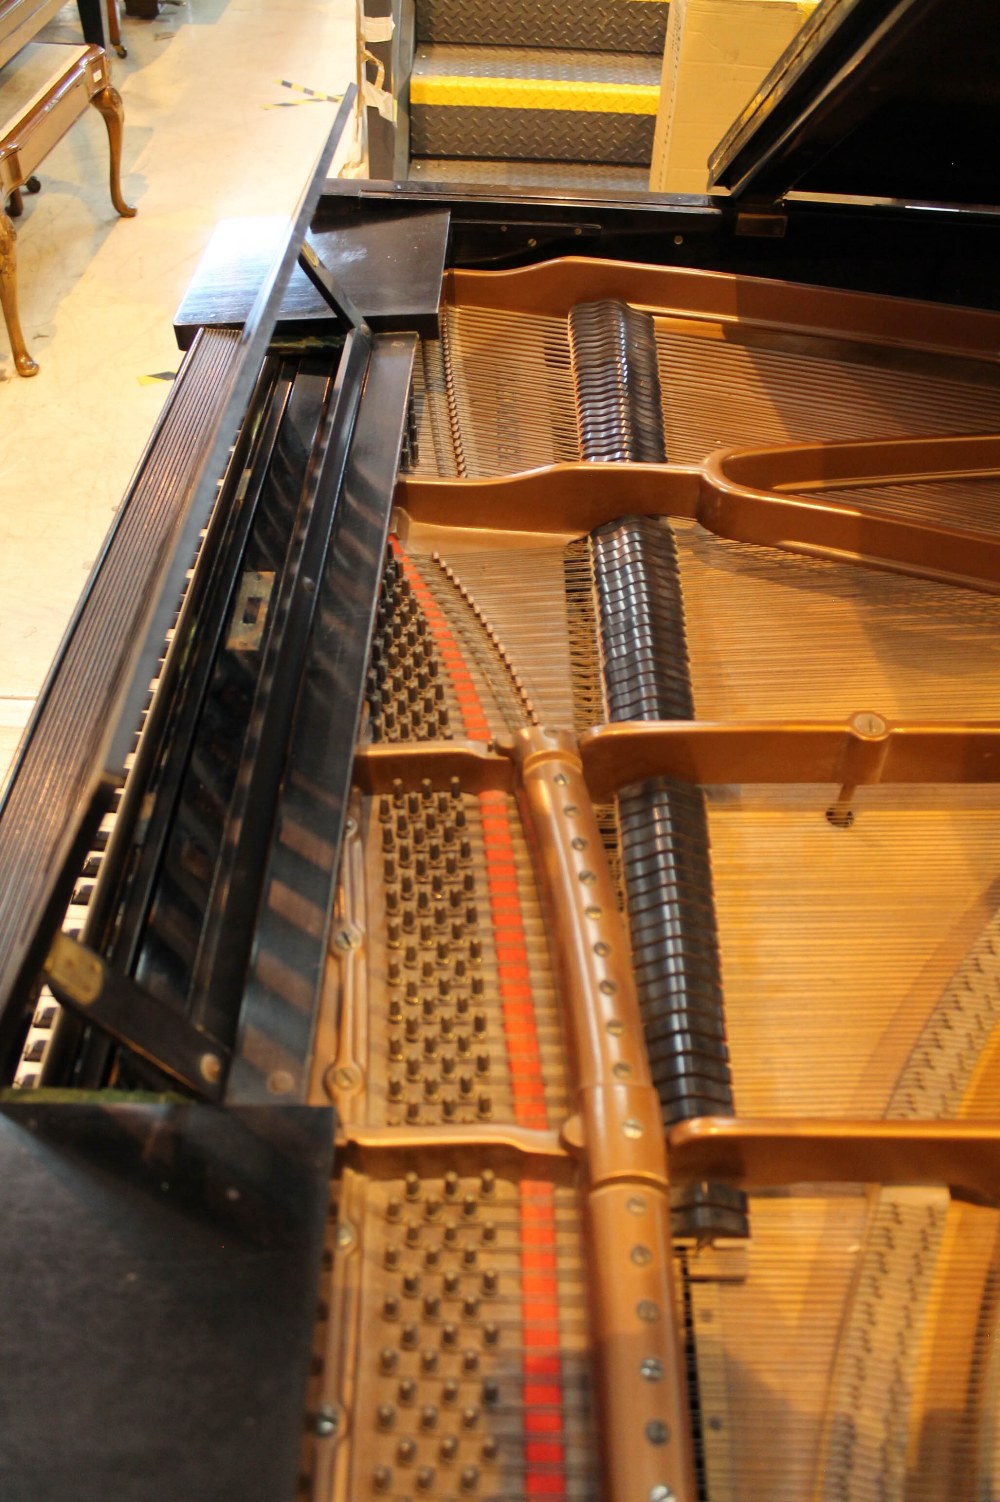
212,130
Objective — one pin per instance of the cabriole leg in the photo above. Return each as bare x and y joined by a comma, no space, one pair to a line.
8,298
109,102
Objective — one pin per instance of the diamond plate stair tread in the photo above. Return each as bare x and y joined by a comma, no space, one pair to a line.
536,135
621,26
561,176
433,61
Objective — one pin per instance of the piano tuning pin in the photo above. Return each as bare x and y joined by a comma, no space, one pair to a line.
470,1306
448,1448
465,1085
390,1307
470,1415
489,1230
388,1359
470,1256
432,1088
447,1065
482,1063
407,1391
385,1416
391,1258
491,1391
432,1306
490,1449
412,1232
406,1451
451,1283
393,1209
381,1478
491,1333
432,1256
462,1004
411,1284
449,1334
412,1029
470,1361
464,1045
478,986
450,1232
428,1360
412,1185
408,1336
479,1024
448,1109
413,1067
433,1208
395,1048
487,1183
413,1113
469,1203
395,1089
425,1478
451,1184
490,1280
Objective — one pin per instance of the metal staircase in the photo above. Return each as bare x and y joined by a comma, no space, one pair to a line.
510,92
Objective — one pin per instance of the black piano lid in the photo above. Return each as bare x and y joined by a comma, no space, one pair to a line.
886,99
254,340
159,1266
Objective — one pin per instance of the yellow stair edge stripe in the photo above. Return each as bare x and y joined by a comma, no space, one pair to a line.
536,94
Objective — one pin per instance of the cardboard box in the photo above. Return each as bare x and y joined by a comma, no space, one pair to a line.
717,54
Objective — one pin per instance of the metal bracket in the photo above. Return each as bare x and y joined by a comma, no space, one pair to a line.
760,220
82,981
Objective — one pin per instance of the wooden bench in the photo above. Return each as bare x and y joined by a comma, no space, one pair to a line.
44,90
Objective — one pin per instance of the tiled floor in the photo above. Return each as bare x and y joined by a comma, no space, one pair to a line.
212,130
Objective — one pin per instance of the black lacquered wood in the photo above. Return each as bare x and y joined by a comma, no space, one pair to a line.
158,1275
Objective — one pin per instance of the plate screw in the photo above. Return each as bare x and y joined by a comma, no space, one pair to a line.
345,1237
209,1068
346,938
662,1494
657,1432
326,1422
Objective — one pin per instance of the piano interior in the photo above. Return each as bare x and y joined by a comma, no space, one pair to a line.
656,982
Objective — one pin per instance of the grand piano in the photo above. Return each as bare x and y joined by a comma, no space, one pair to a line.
498,902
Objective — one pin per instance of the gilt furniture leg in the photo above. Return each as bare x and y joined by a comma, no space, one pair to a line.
8,298
109,102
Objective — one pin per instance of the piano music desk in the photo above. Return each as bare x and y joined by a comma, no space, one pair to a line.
43,91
